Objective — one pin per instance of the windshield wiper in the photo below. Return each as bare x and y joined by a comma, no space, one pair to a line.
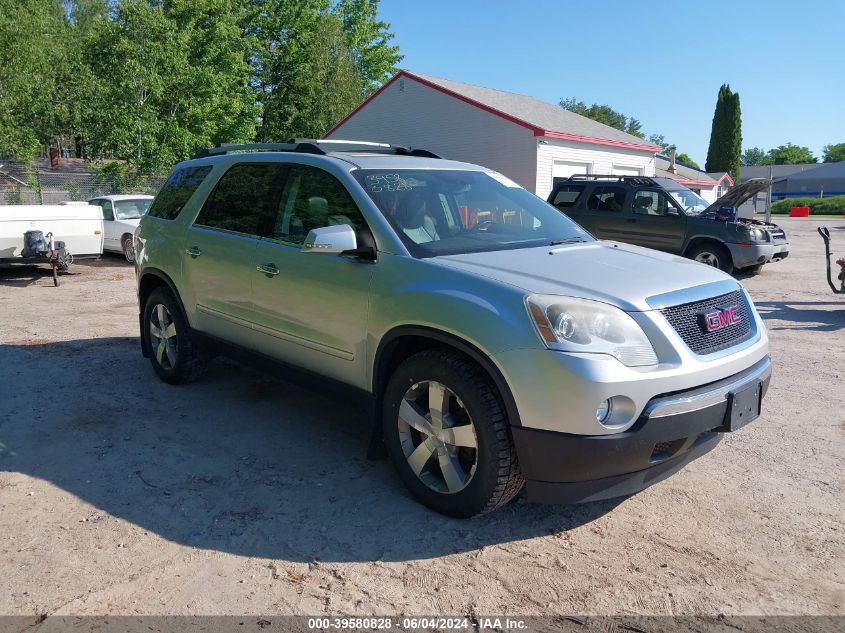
568,240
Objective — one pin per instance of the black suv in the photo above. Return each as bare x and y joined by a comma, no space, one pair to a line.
661,214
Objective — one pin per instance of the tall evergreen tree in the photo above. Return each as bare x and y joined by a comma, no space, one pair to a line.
725,148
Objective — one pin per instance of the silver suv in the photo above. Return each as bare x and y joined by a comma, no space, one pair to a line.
499,342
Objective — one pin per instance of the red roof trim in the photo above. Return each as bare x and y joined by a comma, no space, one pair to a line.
700,183
599,141
728,176
537,131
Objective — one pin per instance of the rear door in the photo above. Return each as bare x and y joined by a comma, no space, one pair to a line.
605,211
656,221
311,308
219,257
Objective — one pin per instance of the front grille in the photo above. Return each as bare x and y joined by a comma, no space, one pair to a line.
777,234
686,319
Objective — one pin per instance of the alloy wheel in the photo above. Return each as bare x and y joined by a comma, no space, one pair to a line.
708,258
438,437
163,336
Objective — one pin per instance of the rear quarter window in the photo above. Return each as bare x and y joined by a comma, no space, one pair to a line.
176,192
567,196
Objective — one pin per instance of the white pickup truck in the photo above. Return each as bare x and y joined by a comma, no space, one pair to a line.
79,226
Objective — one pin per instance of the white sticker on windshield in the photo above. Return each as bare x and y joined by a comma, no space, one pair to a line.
507,182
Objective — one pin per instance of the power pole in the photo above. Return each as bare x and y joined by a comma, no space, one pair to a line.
769,198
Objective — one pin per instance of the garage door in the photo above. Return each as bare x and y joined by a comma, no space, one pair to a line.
565,168
627,170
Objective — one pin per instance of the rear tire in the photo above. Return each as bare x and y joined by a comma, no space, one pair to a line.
471,466
712,254
174,354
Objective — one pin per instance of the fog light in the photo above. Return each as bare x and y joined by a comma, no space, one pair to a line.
603,411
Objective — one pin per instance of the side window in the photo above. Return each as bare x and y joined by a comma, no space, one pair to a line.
178,189
108,210
311,199
244,199
650,203
607,199
567,196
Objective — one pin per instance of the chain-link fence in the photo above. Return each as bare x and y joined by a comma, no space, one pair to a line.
33,183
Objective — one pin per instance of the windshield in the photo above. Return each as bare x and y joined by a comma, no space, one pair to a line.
690,202
131,209
448,212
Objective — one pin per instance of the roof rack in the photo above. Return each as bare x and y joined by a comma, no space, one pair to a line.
634,180
316,146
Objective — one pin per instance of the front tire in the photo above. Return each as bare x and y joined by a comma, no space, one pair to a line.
174,354
128,248
712,254
447,433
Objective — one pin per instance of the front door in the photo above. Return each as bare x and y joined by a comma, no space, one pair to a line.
656,221
220,246
311,308
111,239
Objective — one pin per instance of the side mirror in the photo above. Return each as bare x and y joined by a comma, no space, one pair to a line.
672,211
331,240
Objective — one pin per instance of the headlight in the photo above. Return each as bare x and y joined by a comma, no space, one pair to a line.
757,235
580,325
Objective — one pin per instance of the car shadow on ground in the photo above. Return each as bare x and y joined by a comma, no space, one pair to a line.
237,462
21,276
804,315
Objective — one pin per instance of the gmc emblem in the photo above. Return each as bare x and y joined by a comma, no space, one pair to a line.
720,318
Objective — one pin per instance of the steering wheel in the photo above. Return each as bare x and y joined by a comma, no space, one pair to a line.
482,226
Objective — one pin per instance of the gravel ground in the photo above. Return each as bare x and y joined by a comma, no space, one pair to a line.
245,494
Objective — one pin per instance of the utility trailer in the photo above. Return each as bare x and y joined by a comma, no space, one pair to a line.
50,234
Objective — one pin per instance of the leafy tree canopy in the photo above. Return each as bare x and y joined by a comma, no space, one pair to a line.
834,153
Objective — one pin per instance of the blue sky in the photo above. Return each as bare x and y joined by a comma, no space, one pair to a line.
662,62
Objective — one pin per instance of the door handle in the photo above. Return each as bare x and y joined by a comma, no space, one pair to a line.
268,269
194,251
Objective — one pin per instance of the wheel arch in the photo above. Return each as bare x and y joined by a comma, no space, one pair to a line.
149,280
404,341
705,239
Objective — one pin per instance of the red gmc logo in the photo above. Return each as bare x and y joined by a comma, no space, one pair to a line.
721,318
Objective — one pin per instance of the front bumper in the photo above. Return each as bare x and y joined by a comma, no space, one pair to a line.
672,431
756,254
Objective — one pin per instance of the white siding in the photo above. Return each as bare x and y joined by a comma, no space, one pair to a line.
707,193
600,159
408,112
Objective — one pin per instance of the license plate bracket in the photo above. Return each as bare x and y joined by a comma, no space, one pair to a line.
743,407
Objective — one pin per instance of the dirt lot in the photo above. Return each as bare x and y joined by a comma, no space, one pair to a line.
244,494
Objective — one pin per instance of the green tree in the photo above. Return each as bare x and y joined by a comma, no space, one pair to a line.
725,148
301,47
754,156
168,79
834,153
33,60
686,160
790,154
604,114
659,139
369,40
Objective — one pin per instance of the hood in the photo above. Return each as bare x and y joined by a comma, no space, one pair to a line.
739,194
133,222
620,274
